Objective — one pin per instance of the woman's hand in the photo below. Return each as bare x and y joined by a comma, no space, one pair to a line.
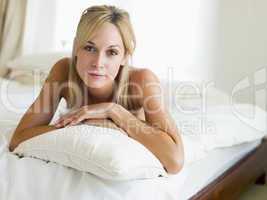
106,123
94,111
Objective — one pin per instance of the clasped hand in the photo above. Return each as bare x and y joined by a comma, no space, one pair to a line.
94,111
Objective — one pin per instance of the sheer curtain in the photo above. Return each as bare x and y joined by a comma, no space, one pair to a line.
12,19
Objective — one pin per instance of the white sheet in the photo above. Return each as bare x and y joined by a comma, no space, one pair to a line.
30,179
204,171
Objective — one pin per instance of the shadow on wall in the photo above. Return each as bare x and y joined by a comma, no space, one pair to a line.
240,62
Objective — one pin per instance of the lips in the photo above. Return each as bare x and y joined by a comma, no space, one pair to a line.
93,73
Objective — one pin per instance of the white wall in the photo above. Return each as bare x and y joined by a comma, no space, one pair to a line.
173,35
241,49
68,15
40,29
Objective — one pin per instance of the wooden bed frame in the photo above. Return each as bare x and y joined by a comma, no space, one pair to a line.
229,186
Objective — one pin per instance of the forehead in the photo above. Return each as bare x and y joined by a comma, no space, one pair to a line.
106,35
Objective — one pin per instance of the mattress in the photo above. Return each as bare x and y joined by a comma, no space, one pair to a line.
204,171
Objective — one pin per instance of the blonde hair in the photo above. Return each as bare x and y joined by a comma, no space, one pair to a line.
91,20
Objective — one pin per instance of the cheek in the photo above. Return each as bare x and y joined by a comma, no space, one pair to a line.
82,60
113,67
113,70
82,63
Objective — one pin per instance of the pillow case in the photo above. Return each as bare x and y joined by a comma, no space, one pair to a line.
104,152
222,126
33,68
15,99
193,149
190,96
42,61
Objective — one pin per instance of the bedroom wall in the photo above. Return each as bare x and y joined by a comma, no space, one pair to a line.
68,15
216,41
240,57
40,27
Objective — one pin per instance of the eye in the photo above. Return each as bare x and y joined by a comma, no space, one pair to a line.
90,48
113,52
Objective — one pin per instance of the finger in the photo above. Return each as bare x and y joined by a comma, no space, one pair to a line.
58,120
74,118
65,116
64,122
77,119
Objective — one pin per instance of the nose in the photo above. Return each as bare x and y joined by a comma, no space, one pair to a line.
99,61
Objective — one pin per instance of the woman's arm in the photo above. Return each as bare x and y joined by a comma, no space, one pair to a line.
159,134
36,119
106,123
167,150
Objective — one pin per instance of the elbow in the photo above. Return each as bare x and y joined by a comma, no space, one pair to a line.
175,167
176,163
12,146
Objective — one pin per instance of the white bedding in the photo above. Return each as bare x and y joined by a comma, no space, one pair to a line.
204,171
29,178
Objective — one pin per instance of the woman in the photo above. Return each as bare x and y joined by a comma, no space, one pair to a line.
100,87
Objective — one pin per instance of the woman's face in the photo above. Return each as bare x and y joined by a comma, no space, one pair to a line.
98,62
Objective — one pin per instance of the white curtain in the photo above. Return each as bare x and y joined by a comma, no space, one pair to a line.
12,20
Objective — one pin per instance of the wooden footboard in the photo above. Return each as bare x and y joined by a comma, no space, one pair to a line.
252,168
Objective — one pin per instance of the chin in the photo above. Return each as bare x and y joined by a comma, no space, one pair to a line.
92,84
96,83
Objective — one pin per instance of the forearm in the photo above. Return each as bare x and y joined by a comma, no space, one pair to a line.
154,139
107,123
28,133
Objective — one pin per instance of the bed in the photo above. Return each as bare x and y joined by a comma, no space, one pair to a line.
244,165
225,172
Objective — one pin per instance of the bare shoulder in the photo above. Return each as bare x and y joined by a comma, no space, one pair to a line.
142,75
60,70
142,82
58,76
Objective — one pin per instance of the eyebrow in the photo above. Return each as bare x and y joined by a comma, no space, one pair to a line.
90,42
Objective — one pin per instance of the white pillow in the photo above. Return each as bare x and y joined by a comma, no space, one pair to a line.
192,96
193,149
33,68
220,126
105,152
41,62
